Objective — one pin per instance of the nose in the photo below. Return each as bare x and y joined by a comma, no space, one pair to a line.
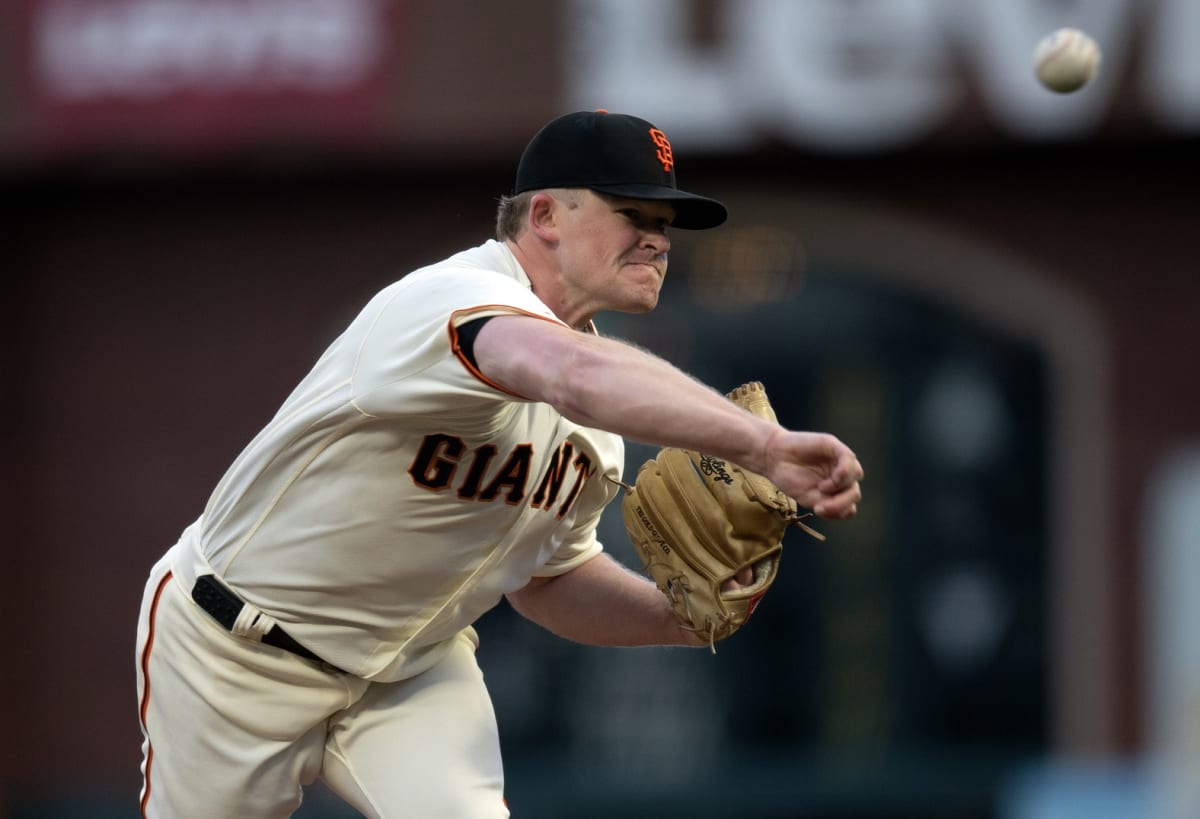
657,240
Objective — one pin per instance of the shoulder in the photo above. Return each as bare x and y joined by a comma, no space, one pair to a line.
485,268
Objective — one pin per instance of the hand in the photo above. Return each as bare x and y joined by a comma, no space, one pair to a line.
742,580
816,469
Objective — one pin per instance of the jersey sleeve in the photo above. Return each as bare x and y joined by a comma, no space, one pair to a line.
581,544
408,360
572,554
460,318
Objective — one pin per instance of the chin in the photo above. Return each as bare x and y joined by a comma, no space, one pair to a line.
647,304
635,307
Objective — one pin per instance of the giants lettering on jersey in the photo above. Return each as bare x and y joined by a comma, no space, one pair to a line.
439,457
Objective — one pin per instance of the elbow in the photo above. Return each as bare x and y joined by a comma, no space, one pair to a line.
529,600
576,384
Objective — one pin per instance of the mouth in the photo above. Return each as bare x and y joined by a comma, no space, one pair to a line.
659,270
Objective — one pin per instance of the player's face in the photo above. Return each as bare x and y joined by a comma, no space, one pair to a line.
613,251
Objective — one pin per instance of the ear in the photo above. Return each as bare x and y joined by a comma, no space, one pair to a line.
543,216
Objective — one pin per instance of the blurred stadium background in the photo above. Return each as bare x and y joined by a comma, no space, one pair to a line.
988,289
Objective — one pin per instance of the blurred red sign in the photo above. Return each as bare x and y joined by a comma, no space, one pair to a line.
205,74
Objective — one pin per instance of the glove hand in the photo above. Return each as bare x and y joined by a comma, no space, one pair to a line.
710,533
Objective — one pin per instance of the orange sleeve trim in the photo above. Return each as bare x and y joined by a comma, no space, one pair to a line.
483,310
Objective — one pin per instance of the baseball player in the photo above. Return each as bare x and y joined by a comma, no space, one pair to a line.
456,444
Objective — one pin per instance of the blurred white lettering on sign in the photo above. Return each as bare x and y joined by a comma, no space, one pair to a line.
874,74
1171,80
149,49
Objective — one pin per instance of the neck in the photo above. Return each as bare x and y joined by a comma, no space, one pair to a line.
548,285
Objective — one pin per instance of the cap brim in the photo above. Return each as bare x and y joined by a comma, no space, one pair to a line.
692,212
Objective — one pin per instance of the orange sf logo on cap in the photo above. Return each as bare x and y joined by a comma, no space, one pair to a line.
664,149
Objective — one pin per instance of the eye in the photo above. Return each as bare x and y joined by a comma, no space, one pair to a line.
645,221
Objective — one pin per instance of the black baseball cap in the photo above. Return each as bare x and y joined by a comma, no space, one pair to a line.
617,154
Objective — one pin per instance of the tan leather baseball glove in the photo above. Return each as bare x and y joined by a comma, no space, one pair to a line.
698,521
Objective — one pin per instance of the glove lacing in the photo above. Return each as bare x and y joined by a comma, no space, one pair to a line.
677,589
798,521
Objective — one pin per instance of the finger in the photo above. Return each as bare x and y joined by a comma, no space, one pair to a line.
845,474
835,510
743,579
843,504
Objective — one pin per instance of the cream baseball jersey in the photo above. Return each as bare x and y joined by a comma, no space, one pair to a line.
397,495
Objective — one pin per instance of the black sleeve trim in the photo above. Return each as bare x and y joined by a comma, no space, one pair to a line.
466,338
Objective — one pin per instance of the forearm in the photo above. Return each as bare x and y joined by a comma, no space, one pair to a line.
611,384
602,603
601,383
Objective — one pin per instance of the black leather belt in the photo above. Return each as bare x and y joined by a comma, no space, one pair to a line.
219,600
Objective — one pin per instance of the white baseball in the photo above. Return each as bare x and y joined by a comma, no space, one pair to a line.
1066,60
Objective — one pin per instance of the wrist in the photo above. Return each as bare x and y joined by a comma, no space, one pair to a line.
761,461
